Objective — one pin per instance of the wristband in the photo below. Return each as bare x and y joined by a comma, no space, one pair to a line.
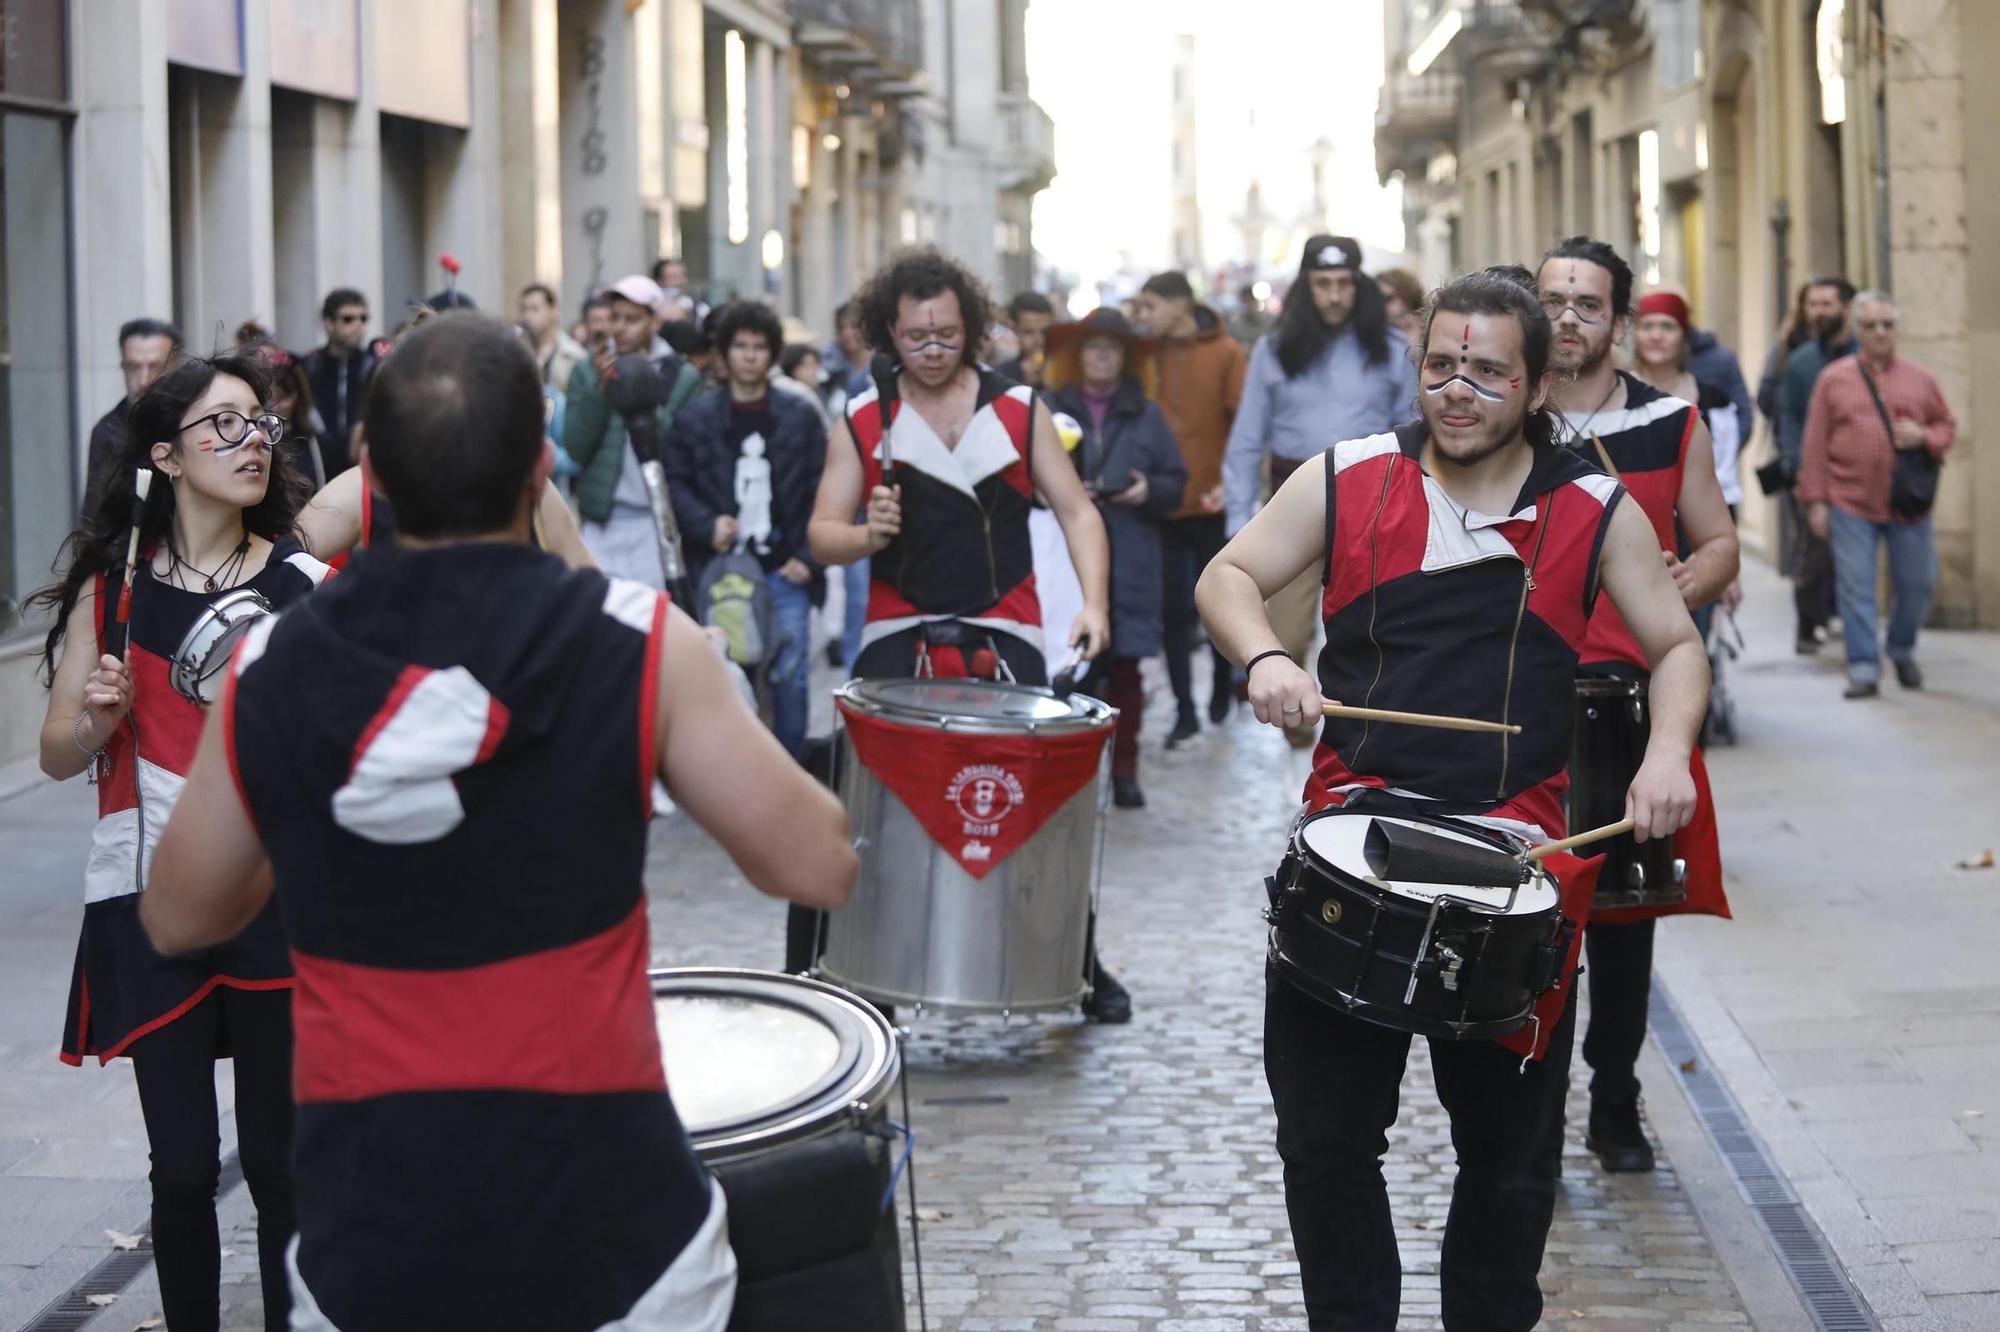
1251,664
76,737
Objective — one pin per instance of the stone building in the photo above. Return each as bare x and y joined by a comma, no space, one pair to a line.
216,160
1731,148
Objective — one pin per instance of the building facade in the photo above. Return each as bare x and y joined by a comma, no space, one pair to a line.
1732,148
213,161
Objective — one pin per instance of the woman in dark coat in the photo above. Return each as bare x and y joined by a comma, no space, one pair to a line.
1100,375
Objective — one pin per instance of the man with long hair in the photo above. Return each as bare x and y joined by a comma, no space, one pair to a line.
1432,529
1333,368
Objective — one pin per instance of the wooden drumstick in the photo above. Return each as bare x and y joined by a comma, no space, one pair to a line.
1581,839
1420,719
142,484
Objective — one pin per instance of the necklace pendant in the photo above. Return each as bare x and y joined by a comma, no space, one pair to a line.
208,585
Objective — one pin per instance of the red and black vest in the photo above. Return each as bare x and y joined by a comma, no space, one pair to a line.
458,828
1430,607
964,552
120,988
1644,445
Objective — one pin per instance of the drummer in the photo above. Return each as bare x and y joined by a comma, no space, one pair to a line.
951,573
457,828
1657,446
1461,556
217,519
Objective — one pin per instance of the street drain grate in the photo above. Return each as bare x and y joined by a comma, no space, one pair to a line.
1830,1298
72,1309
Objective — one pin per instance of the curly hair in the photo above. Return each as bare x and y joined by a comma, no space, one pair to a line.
921,273
749,317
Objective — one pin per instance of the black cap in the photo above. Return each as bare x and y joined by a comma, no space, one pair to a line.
1324,252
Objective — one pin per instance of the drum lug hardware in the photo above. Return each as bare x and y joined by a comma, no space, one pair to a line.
1448,975
1637,874
1329,912
1680,873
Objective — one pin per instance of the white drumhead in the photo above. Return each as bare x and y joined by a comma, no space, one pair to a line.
733,1058
1338,840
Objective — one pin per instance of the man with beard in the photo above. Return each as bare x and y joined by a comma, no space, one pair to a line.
1333,370
1461,556
1657,447
1828,304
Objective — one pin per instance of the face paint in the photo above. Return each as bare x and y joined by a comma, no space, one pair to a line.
1482,391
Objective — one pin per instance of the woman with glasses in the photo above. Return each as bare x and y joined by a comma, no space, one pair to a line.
218,517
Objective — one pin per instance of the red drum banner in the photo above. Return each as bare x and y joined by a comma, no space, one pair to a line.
980,797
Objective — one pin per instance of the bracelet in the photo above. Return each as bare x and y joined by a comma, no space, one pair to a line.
1251,664
76,737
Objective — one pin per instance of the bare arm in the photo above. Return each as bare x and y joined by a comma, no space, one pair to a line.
1712,561
1284,539
88,684
1661,798
833,535
784,831
210,876
1082,529
559,535
330,524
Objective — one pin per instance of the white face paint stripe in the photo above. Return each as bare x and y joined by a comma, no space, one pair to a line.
1485,393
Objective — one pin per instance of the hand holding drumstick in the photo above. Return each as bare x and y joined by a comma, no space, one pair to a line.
1288,695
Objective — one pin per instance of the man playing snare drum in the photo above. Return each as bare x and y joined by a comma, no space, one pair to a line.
1460,556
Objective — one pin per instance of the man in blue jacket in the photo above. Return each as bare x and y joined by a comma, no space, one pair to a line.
743,466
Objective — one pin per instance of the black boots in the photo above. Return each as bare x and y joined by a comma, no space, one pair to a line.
1185,726
1125,793
1109,1002
1618,1138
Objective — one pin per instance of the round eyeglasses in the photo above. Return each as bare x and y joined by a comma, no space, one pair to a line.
233,428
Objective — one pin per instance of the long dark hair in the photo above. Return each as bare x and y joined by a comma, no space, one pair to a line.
98,547
1504,289
1302,335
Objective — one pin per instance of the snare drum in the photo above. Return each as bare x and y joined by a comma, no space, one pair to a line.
783,1084
981,901
203,656
1435,959
1612,726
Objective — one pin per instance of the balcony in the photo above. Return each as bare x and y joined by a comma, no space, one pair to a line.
1468,30
880,41
1026,151
1413,116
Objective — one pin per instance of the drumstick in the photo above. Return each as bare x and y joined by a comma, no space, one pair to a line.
1420,719
1581,839
142,484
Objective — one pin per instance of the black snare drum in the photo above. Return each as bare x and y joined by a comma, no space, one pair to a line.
1612,725
1435,959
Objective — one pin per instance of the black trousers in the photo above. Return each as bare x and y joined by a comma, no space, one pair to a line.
175,1070
1619,968
1336,1082
1812,576
1189,544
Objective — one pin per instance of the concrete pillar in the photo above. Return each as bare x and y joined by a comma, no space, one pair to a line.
529,184
600,166
124,259
766,134
231,188
463,212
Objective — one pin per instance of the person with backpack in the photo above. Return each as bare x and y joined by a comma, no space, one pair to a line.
743,464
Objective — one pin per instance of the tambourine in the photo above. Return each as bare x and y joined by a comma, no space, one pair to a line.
198,664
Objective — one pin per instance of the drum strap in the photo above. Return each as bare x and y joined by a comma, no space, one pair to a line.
1604,456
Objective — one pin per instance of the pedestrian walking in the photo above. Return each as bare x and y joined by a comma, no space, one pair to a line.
1253,320
1432,528
338,372
611,496
1876,429
1402,301
1663,356
1655,445
1333,369
1103,376
1201,385
1829,322
482,1112
743,464
217,521
291,399
1029,315
556,352
146,347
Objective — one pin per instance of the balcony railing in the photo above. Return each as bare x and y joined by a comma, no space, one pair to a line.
1414,115
1026,152
890,30
1483,24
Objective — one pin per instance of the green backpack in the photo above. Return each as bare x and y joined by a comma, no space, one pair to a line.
734,598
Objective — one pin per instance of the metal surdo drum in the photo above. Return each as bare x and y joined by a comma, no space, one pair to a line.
783,1084
1612,726
975,810
1436,959
203,656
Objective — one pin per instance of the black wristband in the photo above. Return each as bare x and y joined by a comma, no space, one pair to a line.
1251,664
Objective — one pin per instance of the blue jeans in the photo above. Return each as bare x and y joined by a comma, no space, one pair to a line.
791,671
855,578
1913,570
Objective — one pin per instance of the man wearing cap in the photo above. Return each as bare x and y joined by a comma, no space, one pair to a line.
1332,369
611,495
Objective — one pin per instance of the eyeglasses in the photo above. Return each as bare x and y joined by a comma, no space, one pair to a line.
234,429
1871,325
351,317
923,339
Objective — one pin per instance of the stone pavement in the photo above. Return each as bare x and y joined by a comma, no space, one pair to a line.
1853,1005
1073,1178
